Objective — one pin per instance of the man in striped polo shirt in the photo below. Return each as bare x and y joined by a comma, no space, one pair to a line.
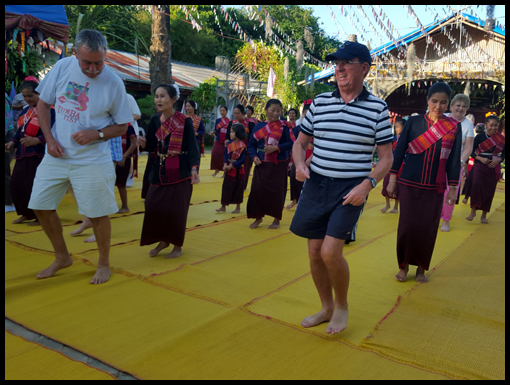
346,124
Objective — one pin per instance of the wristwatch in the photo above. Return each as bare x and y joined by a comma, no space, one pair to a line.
101,135
373,182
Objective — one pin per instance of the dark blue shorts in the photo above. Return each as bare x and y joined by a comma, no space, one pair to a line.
320,212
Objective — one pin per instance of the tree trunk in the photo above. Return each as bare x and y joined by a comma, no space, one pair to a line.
159,65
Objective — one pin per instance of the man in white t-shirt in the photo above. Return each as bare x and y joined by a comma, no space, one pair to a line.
90,107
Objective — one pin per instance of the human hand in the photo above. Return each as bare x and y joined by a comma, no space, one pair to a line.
308,162
29,141
141,141
392,186
122,162
226,142
269,149
358,195
451,197
84,137
8,146
195,179
257,161
54,148
302,172
493,163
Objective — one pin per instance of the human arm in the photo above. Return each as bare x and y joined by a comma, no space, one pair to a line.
84,137
298,155
193,151
468,149
358,194
44,117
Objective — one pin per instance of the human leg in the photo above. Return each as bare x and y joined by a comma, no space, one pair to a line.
395,208
102,231
123,197
52,226
483,218
322,283
385,208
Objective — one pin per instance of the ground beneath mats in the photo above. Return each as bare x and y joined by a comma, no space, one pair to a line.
230,307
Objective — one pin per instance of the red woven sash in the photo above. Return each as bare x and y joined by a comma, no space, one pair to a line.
496,140
222,126
271,133
445,129
28,122
245,123
235,148
173,126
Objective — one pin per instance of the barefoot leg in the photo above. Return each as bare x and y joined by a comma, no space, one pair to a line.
472,215
102,231
420,275
237,210
34,223
161,246
275,224
20,219
222,209
446,226
175,253
256,224
402,274
86,224
338,321
483,218
291,204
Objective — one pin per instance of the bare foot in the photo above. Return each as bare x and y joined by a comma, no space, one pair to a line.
86,224
20,219
291,205
123,210
90,239
275,224
402,274
482,220
161,246
102,275
236,211
420,275
384,209
317,319
464,201
34,223
58,263
222,209
471,217
394,211
338,321
256,224
175,253
446,226
215,173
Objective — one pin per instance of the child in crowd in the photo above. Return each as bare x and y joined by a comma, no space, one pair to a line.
234,157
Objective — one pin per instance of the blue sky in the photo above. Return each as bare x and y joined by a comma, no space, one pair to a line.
397,15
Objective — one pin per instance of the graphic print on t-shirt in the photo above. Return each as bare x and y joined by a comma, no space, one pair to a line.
73,100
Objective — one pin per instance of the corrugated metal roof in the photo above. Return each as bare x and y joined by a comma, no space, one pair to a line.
136,69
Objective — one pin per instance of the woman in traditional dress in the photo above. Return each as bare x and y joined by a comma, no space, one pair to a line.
269,147
30,148
292,116
489,152
399,125
234,158
295,185
173,171
479,129
249,115
240,117
433,143
122,169
220,134
458,108
198,124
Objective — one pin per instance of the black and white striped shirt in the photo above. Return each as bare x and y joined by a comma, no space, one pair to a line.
345,134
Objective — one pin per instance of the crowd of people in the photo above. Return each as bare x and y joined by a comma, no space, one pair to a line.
79,119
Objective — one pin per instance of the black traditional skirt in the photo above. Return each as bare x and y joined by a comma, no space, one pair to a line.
268,190
420,213
166,213
22,181
295,185
484,183
232,189
248,162
148,166
217,153
122,173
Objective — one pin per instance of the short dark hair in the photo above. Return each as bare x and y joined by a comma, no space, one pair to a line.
293,109
401,121
172,92
479,128
270,102
438,88
29,84
239,130
241,108
251,109
491,117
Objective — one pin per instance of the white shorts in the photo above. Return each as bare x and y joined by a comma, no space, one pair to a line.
93,186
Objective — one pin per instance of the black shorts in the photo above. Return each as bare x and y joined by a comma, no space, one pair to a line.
320,212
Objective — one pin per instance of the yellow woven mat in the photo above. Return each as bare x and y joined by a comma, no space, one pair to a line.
30,361
455,324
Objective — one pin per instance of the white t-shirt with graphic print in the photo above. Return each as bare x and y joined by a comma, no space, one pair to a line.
82,103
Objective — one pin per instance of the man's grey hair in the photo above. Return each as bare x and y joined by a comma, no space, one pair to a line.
92,39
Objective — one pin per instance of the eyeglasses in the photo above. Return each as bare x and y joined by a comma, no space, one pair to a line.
348,63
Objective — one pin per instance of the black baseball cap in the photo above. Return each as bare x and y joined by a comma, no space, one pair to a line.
349,50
